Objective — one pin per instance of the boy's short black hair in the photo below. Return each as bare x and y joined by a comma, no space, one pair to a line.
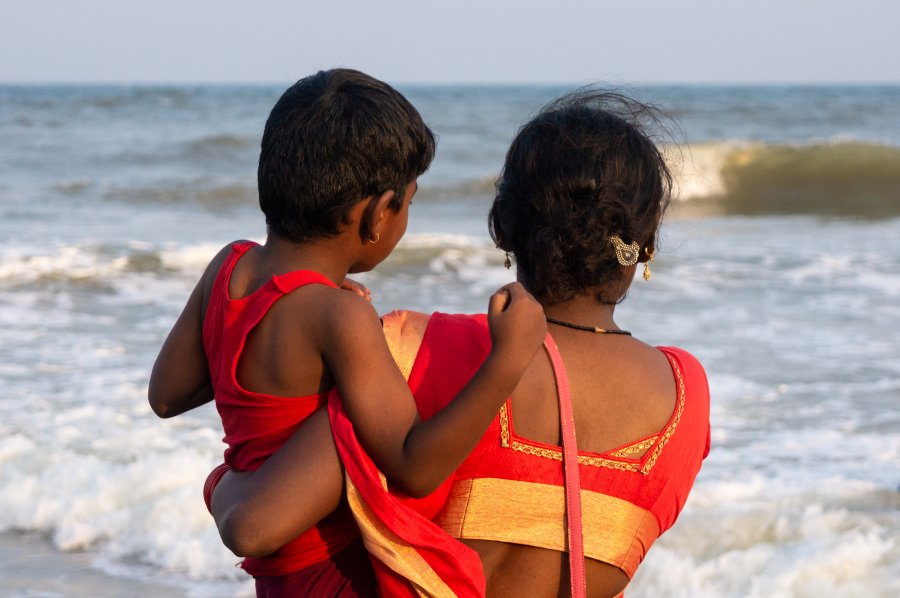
332,139
583,169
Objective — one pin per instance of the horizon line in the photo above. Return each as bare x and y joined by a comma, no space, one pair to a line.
474,83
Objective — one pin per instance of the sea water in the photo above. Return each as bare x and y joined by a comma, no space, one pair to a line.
779,268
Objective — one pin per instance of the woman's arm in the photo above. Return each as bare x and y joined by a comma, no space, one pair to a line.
257,513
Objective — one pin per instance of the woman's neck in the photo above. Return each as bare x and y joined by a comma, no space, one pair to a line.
583,310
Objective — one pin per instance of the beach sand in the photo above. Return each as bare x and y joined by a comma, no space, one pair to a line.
30,566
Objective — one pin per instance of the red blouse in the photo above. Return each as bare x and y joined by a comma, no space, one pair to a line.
510,489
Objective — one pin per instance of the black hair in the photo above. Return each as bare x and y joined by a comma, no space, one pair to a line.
333,139
584,169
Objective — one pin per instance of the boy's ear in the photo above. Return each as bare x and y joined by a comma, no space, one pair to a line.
373,217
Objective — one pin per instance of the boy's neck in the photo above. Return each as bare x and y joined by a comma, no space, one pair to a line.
328,256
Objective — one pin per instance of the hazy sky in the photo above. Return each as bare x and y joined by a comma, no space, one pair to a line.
411,41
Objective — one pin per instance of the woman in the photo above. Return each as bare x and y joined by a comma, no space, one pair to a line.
578,205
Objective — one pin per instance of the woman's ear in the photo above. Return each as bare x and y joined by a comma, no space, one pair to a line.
373,217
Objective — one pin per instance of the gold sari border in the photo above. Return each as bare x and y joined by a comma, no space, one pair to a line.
636,448
616,531
388,548
643,466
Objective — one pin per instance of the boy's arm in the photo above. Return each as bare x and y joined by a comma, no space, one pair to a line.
418,456
257,513
180,379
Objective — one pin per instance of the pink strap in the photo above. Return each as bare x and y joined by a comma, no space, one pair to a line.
570,470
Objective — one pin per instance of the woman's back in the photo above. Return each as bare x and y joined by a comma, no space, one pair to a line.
578,206
623,392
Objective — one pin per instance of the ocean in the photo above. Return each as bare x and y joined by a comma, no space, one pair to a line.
779,268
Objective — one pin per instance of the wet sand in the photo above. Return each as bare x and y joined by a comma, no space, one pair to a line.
30,566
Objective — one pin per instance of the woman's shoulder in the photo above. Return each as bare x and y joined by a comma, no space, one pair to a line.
407,331
413,325
404,331
694,391
689,373
403,320
687,362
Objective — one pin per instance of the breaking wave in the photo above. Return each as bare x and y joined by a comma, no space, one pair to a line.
829,179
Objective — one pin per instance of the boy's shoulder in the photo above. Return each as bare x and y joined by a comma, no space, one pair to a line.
340,324
332,310
218,260
211,273
338,307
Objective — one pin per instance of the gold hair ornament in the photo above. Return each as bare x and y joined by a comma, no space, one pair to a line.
626,253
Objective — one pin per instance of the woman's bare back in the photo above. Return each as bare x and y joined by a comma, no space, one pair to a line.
515,570
622,391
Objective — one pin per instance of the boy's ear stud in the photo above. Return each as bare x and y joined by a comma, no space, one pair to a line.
374,240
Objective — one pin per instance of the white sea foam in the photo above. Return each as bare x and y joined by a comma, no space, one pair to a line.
190,258
761,542
122,485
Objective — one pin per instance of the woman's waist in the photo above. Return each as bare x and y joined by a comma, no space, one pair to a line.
503,563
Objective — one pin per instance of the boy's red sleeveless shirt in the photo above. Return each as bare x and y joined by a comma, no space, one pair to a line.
257,424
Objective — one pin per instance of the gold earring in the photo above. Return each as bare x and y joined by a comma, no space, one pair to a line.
375,240
506,263
647,263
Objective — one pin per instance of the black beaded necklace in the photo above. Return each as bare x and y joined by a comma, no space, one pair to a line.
587,328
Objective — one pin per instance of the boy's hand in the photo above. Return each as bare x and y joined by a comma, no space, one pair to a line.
518,325
355,287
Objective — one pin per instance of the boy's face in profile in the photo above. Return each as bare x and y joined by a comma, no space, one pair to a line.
396,222
392,230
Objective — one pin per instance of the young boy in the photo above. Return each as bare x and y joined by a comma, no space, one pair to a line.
268,333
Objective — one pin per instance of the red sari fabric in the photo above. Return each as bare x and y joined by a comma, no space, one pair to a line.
257,424
412,556
346,574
